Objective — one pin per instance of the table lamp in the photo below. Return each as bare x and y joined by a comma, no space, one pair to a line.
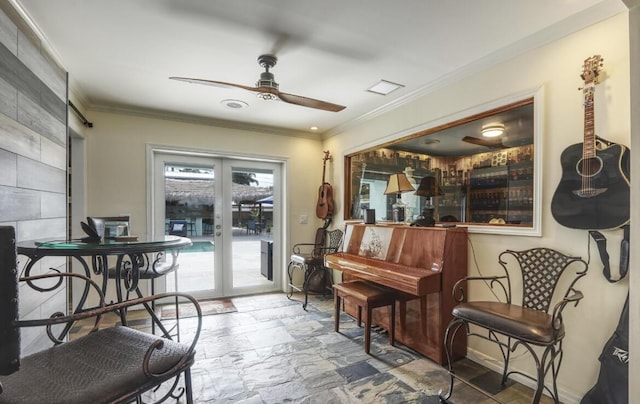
398,183
429,188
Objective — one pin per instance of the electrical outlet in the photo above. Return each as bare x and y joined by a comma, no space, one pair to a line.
304,219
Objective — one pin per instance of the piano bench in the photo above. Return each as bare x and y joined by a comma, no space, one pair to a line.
370,296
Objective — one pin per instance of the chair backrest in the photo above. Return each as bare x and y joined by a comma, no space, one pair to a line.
335,239
178,228
541,269
327,241
9,333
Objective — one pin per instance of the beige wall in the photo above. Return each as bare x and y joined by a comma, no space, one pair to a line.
556,69
116,165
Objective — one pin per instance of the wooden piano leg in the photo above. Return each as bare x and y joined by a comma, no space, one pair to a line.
360,316
336,313
423,314
367,330
402,299
402,304
392,325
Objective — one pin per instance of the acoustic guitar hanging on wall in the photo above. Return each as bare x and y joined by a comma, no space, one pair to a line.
324,207
593,192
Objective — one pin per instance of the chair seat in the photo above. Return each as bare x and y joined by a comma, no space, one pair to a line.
304,259
104,366
515,321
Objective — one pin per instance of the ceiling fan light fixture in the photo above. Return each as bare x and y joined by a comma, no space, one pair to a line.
493,130
267,96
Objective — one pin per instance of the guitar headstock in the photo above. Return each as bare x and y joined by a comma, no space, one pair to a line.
327,155
591,69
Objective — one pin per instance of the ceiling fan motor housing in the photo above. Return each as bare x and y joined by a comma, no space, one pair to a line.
267,80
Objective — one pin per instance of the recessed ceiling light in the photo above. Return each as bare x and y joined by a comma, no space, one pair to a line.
234,104
384,87
314,128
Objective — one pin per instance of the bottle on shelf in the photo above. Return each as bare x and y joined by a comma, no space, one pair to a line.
399,210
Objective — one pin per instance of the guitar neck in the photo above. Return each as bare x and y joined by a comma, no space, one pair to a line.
324,168
324,164
589,144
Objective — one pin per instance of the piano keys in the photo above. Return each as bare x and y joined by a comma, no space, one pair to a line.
423,264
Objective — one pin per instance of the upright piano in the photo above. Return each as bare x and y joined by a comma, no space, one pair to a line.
422,264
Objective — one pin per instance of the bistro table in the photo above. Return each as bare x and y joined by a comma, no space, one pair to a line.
133,256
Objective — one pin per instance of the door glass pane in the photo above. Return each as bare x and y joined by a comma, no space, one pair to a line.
189,212
252,259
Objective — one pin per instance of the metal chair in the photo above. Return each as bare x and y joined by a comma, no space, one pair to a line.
110,364
253,227
528,324
178,228
207,225
309,258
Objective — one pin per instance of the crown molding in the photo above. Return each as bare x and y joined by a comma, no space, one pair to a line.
221,123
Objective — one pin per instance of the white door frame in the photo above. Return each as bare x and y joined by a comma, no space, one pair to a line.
156,213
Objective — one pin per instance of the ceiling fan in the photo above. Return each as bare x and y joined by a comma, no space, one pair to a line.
492,144
267,88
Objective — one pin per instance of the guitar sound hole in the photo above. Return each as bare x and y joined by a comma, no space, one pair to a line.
589,167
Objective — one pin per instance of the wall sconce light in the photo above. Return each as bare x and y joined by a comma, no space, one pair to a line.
492,130
398,183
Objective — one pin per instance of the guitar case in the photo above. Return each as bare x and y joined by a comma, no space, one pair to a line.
612,386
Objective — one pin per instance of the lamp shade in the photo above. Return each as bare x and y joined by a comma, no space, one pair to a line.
398,183
429,187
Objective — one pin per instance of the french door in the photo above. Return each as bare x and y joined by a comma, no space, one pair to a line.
230,208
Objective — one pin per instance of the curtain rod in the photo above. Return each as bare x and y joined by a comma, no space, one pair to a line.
84,120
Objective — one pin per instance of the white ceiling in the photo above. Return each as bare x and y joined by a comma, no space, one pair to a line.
120,53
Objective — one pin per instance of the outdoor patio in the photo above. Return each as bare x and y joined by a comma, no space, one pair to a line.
196,262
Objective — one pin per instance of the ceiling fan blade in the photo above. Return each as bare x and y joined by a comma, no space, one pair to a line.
215,83
309,102
288,98
492,144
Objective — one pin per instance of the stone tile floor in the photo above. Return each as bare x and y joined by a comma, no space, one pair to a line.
272,351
